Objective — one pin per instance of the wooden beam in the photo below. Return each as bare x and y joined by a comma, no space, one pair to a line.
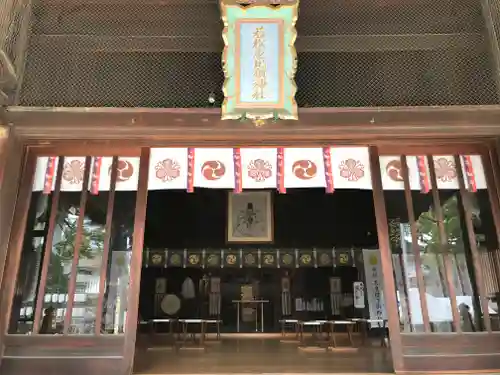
213,43
186,125
8,77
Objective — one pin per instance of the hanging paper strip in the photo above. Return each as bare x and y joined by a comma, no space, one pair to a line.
475,173
423,174
469,175
45,174
238,183
96,175
190,170
259,60
280,175
327,160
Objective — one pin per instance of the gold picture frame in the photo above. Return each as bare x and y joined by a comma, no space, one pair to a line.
250,217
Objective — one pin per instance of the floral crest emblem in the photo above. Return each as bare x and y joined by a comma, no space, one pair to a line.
260,170
167,170
352,170
445,170
73,171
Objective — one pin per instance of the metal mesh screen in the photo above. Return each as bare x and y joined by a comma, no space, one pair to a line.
365,53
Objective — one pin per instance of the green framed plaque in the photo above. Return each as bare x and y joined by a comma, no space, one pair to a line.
259,60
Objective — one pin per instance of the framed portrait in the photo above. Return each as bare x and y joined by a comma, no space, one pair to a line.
250,217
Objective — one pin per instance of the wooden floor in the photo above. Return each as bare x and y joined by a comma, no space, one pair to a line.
254,355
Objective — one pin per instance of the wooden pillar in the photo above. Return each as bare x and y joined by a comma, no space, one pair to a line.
391,303
11,160
4,135
4,140
11,156
136,265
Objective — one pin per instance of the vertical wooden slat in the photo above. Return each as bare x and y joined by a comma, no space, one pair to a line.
472,243
47,250
391,302
136,263
16,241
492,161
107,242
491,168
444,247
414,245
492,176
495,287
76,246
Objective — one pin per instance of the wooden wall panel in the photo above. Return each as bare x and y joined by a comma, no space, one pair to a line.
449,364
451,343
63,346
450,352
60,366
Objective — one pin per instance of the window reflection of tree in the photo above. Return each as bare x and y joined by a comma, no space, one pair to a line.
457,246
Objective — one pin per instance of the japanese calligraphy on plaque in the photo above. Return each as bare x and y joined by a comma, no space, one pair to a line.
259,60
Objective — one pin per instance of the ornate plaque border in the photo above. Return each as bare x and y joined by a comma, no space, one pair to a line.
232,16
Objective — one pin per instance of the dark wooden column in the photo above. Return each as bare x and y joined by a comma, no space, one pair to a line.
5,191
391,303
11,160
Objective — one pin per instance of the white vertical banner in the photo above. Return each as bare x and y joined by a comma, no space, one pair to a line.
259,168
40,173
127,177
359,295
168,168
351,168
72,173
391,172
374,284
304,167
214,168
446,172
